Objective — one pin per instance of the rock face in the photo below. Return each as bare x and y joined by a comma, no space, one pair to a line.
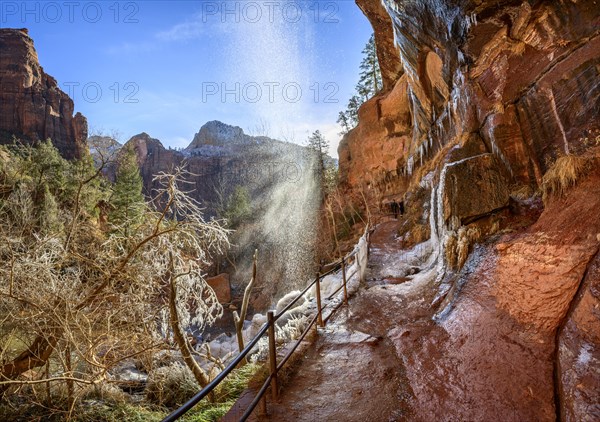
32,106
373,153
220,284
153,158
221,157
522,75
578,352
474,187
487,96
218,134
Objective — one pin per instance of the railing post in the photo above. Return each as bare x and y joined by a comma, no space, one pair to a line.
272,354
344,279
318,288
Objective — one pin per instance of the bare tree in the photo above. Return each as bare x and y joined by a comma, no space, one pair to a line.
80,300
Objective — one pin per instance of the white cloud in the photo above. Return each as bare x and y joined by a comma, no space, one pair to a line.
183,31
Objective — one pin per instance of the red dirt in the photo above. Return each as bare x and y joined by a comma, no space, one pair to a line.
352,373
489,354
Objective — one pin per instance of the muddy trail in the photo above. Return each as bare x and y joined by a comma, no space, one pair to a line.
353,373
392,355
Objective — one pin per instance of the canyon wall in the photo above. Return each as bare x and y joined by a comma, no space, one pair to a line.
32,106
521,76
488,107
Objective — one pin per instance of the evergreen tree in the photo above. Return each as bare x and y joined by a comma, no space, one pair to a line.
319,146
369,84
49,213
344,121
239,207
353,106
326,170
85,187
46,167
127,198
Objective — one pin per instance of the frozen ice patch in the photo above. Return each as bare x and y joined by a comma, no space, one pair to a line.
585,355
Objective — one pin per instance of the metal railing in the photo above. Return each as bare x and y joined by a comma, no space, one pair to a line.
269,328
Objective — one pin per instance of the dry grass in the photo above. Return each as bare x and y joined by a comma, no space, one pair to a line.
419,233
171,386
450,251
563,175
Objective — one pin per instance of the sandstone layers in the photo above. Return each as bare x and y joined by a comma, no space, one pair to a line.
481,99
32,106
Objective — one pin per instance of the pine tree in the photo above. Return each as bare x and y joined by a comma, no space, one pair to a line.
344,121
239,207
353,106
127,198
369,84
319,146
46,167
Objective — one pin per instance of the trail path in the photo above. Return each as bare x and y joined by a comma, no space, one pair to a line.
383,358
353,373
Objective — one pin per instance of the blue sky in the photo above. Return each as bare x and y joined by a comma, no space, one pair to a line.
284,68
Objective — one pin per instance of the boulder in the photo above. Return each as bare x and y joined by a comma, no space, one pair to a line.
220,284
474,187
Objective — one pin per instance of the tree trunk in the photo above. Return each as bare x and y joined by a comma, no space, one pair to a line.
239,319
201,376
35,356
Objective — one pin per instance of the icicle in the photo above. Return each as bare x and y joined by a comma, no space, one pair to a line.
409,165
470,20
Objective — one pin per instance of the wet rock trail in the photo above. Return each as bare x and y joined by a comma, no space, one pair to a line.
353,372
392,355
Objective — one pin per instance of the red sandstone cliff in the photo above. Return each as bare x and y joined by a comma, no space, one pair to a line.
32,106
482,99
521,76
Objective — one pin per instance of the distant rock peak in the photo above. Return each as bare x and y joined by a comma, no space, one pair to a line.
217,133
32,106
